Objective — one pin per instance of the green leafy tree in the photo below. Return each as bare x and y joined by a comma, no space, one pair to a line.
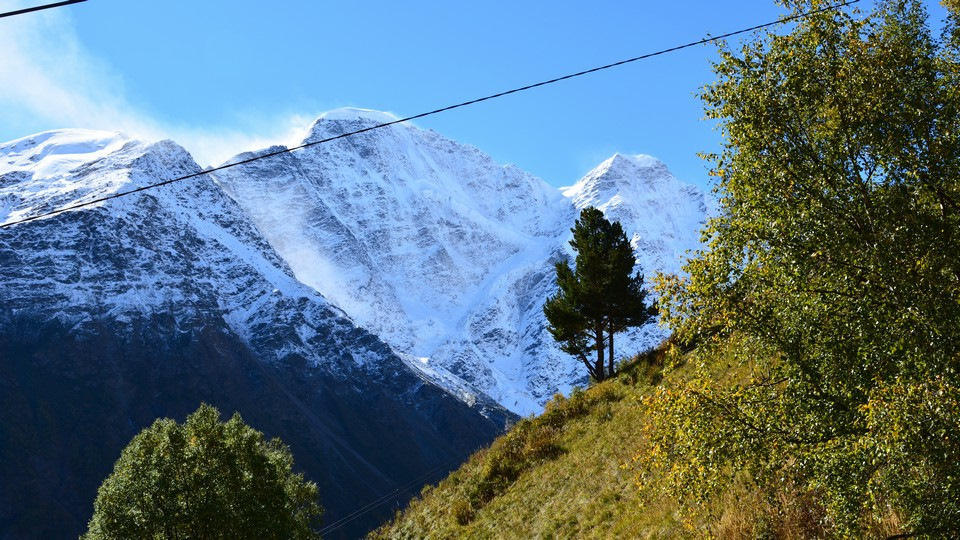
834,268
204,479
600,297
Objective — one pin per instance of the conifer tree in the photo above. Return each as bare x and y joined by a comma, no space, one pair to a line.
598,298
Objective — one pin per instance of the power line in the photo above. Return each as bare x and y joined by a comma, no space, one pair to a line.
38,8
430,113
369,507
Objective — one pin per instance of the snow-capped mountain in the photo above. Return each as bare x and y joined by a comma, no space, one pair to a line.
144,306
447,255
330,295
662,215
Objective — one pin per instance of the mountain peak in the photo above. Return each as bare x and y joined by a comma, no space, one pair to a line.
346,119
662,214
55,169
618,175
622,166
58,150
354,113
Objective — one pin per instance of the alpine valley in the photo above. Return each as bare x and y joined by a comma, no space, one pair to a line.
375,302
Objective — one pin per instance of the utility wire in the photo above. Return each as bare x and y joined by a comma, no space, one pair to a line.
430,113
369,507
38,8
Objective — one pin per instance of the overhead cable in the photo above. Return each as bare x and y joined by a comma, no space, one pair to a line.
429,113
418,481
38,8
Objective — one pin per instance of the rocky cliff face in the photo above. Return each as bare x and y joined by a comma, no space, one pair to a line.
445,254
119,313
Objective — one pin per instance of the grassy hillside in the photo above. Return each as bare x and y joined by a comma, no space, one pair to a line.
565,474
572,472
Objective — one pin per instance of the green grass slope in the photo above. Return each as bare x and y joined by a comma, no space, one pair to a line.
564,474
572,472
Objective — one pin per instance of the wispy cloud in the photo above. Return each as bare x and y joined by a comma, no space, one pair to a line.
51,81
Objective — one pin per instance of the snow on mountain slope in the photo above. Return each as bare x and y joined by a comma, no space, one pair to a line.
37,171
146,305
185,250
661,214
445,254
142,263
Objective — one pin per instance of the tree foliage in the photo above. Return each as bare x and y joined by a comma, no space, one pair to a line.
598,298
204,479
834,266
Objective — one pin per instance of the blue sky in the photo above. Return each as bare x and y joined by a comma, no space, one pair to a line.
221,77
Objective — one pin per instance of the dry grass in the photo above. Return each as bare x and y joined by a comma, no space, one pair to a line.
568,474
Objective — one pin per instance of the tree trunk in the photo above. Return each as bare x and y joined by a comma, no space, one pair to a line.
610,357
591,367
599,368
